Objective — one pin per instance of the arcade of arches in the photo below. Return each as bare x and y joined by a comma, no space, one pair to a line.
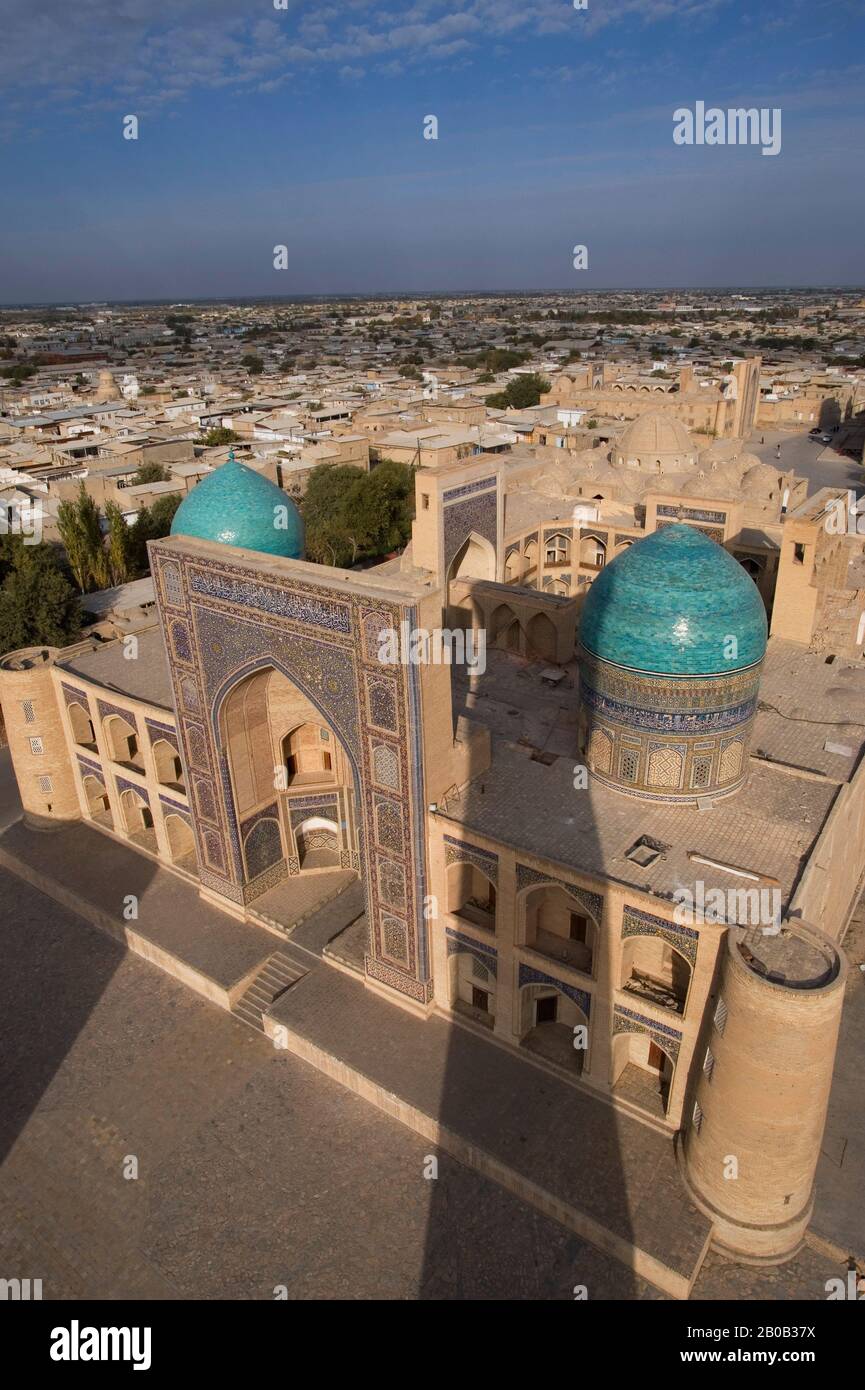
592,989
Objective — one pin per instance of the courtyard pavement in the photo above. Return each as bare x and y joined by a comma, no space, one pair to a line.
254,1170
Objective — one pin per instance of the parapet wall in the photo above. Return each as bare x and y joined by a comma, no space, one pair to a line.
828,889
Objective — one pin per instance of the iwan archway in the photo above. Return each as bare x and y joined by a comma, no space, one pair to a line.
300,745
291,781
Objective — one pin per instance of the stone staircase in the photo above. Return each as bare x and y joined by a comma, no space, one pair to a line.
278,974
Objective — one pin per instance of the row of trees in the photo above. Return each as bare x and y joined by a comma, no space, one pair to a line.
351,515
101,555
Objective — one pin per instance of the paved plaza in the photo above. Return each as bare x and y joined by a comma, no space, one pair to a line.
254,1170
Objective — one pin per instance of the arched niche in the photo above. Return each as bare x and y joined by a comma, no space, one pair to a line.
513,567
643,1071
558,924
82,726
654,970
475,559
317,840
283,757
181,841
308,756
169,768
548,1020
122,741
137,818
593,553
471,895
472,987
98,805
504,629
541,637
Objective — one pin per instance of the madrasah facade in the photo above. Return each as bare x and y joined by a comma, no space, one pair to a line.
656,713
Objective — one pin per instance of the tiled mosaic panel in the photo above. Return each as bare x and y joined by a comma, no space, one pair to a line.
237,623
473,507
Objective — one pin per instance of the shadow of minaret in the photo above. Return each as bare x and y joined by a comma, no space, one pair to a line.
546,1131
53,979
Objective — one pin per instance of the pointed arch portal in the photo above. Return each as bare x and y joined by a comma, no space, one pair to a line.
258,654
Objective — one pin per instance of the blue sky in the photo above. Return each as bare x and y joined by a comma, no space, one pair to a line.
304,127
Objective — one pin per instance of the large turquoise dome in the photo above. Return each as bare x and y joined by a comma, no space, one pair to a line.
234,505
669,605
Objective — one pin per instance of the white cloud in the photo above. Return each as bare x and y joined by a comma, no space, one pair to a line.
123,47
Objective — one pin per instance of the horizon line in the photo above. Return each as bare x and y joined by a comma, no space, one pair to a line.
342,296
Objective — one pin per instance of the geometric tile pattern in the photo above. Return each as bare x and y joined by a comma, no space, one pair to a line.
487,955
324,641
528,975
593,902
459,852
637,923
476,511
668,1039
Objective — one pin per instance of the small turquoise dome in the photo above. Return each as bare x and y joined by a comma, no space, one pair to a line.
669,605
236,506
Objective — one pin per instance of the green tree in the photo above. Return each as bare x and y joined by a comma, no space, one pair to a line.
254,365
150,473
18,374
119,545
37,603
79,524
151,524
520,393
352,515
162,512
218,436
328,543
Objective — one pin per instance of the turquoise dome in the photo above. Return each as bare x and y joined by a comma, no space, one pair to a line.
669,605
236,506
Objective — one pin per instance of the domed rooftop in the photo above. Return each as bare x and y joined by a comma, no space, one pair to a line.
669,605
761,479
723,483
234,505
657,436
106,387
721,451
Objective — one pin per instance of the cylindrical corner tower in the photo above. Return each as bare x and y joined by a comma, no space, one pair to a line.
671,646
37,740
751,1148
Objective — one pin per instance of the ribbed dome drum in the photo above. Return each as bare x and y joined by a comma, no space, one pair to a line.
672,640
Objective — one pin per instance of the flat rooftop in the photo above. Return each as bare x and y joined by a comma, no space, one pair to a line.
146,678
807,703
768,828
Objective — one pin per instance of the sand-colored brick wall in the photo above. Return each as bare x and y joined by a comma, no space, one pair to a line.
751,1157
34,722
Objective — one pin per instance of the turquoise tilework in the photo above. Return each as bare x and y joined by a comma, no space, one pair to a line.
236,506
670,603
